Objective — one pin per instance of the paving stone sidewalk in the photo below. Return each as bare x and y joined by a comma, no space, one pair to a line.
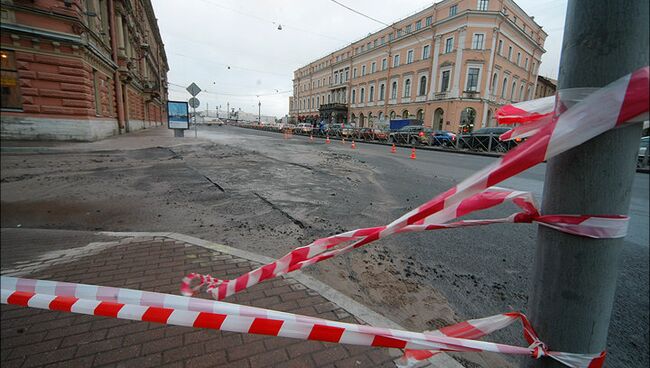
38,338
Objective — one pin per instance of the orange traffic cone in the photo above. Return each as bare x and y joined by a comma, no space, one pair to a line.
413,153
327,141
393,149
353,145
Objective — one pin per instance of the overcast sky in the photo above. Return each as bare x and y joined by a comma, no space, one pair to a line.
233,50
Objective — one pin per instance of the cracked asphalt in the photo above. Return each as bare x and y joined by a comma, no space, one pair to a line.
259,192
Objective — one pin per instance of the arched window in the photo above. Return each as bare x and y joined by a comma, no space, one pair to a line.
362,95
380,116
370,121
361,120
405,114
420,115
423,86
529,96
489,118
371,96
504,87
382,91
407,88
438,117
393,91
494,84
354,96
521,92
392,115
467,118
512,91
353,118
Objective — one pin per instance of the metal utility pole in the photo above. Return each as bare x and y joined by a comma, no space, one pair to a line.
575,277
259,112
228,110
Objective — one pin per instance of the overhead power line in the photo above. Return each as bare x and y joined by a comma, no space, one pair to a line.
278,92
360,13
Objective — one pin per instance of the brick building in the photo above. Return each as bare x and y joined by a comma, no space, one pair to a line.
80,69
545,87
450,65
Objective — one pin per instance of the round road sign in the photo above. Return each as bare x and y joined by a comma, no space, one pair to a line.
194,102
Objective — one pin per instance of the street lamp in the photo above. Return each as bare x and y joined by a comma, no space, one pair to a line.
259,112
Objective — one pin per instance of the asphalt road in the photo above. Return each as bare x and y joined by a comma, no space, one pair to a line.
481,271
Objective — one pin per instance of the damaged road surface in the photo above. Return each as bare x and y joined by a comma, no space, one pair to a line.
256,191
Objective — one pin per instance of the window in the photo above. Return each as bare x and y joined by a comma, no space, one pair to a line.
363,70
420,115
449,45
362,95
512,91
368,46
336,78
374,43
354,73
408,29
518,58
521,92
396,61
384,64
399,33
354,96
317,101
392,115
418,25
429,20
426,51
373,67
500,48
390,37
452,10
477,41
526,64
383,40
393,91
371,94
382,90
10,86
504,87
509,53
472,79
444,84
98,102
494,84
409,57
483,5
533,70
423,86
347,75
407,88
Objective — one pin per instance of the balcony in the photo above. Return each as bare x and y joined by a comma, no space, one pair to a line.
441,95
471,94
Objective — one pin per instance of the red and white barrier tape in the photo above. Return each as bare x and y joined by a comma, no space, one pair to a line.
201,313
602,110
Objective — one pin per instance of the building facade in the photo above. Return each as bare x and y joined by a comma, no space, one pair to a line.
80,69
450,66
545,87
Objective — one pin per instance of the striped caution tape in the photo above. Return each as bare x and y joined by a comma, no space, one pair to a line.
201,313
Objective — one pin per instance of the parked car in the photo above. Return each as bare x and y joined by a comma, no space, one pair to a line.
305,128
643,148
372,134
485,139
412,134
443,138
340,130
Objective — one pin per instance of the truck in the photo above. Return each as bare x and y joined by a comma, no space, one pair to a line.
397,124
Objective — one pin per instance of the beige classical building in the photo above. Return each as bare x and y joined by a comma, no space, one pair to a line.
450,65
